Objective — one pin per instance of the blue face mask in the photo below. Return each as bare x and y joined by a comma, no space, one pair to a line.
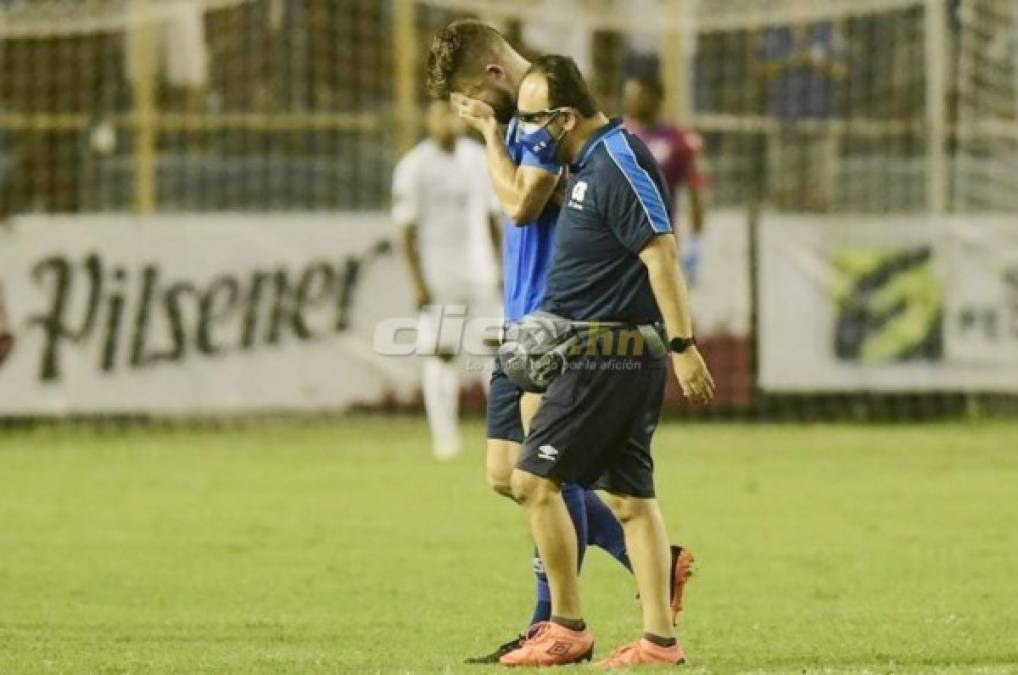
538,140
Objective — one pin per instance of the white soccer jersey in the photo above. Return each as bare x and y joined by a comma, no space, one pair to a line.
450,198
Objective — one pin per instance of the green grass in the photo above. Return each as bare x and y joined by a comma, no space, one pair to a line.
342,547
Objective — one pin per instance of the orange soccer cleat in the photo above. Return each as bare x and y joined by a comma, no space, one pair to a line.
643,652
682,569
549,644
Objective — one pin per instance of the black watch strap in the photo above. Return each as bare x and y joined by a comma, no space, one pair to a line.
680,344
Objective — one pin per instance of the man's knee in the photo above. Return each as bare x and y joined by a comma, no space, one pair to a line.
500,480
627,508
501,458
530,488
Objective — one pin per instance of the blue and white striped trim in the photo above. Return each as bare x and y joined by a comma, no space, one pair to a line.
643,185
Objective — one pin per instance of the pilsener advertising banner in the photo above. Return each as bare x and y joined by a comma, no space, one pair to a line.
901,303
198,314
235,313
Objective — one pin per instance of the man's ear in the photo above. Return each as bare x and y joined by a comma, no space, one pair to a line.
570,121
495,71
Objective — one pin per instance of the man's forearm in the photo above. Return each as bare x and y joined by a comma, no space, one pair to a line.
413,257
502,170
523,191
668,285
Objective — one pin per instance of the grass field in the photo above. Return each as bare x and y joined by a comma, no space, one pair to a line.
342,547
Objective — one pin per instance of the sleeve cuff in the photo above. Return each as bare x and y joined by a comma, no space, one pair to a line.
550,167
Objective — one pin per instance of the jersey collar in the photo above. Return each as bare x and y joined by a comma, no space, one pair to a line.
614,126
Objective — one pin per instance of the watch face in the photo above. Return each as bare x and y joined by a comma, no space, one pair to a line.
679,345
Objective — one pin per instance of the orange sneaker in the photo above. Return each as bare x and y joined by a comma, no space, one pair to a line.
643,652
682,569
549,644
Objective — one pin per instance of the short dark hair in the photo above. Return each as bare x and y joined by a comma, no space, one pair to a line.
566,86
450,48
650,83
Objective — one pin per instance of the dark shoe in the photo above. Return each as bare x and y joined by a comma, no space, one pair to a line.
502,650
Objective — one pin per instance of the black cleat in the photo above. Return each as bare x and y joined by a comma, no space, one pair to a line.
502,650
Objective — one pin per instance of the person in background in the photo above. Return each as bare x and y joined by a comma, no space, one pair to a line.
443,200
675,151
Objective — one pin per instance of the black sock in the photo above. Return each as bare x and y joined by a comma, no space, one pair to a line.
571,624
660,641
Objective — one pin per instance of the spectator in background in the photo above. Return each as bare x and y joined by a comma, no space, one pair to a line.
443,200
675,151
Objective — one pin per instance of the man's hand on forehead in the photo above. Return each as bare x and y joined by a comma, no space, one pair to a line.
477,114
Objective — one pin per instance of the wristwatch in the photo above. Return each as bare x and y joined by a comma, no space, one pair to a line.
680,344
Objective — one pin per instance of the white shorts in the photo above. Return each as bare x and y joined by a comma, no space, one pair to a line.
458,321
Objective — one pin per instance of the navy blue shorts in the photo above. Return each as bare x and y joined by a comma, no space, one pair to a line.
595,425
503,413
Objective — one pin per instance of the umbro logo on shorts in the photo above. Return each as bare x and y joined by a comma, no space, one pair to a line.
547,452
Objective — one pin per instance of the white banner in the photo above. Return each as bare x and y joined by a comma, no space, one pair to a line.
722,296
198,314
888,303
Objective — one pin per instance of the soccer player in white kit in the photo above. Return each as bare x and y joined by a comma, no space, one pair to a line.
443,200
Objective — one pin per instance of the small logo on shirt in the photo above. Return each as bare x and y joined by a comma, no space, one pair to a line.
547,452
577,195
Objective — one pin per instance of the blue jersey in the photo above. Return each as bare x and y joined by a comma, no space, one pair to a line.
616,201
527,249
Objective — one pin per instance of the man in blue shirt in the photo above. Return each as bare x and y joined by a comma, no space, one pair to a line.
474,65
615,266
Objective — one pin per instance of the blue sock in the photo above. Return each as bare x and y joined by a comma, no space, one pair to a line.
542,609
573,495
604,530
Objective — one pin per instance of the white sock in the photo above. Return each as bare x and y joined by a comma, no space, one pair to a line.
440,384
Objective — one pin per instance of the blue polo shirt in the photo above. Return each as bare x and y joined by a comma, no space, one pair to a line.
527,249
616,201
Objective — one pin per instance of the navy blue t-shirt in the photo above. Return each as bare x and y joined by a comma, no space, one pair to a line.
616,200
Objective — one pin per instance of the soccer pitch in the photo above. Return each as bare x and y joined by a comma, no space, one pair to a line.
342,547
